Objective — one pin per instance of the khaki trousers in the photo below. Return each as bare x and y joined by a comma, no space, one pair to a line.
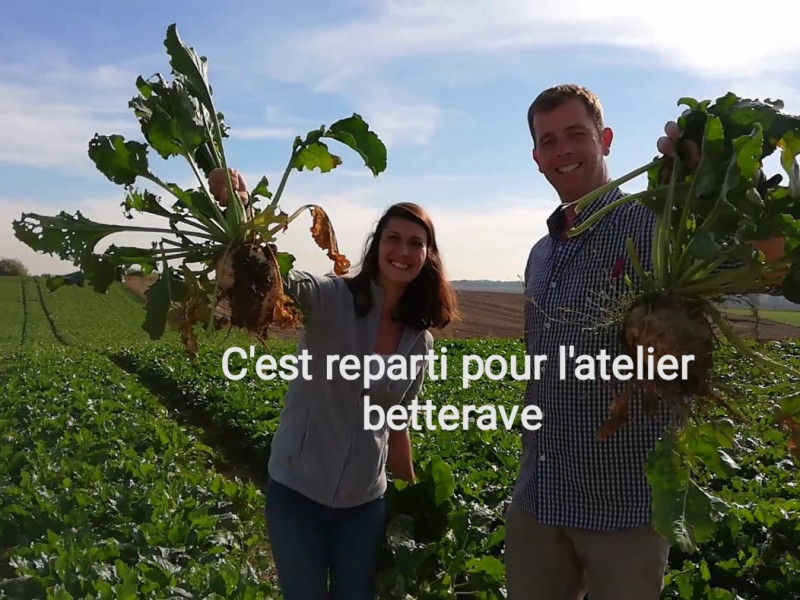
555,563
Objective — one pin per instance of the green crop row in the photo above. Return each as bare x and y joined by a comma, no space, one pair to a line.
105,496
31,315
446,532
12,311
107,320
457,527
37,329
247,409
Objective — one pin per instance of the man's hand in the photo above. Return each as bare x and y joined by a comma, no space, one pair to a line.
773,248
666,145
218,185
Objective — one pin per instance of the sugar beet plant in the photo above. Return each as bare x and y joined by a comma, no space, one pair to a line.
235,243
709,220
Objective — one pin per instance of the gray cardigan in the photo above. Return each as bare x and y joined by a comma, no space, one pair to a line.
321,447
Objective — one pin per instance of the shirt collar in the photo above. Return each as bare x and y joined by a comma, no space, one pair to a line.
557,221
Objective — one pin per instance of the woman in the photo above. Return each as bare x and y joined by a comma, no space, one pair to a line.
326,510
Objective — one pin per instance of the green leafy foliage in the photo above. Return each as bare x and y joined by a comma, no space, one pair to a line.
355,133
446,532
12,267
719,210
178,119
105,496
712,223
316,156
119,160
115,498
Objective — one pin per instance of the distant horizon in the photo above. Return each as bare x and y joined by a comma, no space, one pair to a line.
762,301
135,274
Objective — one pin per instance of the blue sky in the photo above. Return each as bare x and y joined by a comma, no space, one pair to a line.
445,84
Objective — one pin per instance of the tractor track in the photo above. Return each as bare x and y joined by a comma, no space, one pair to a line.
49,318
238,457
24,333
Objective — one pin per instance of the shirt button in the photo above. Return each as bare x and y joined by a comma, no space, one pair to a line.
541,458
552,285
547,325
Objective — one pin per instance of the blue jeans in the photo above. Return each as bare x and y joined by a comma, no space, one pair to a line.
311,542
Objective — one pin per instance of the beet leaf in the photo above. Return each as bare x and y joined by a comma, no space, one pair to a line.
711,223
179,120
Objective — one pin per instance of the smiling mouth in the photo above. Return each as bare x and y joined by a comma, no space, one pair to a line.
568,168
398,265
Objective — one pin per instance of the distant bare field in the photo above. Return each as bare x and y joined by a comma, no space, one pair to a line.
500,315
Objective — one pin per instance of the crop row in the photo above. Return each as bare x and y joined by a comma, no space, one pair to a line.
102,321
242,415
12,311
37,328
31,315
105,496
453,514
446,532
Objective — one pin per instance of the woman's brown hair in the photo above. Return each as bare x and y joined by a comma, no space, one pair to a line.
429,300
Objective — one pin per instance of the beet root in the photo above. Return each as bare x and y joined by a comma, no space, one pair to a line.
658,326
249,278
672,327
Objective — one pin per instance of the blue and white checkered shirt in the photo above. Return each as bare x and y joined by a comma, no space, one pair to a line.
568,477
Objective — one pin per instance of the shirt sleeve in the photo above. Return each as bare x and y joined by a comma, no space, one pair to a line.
311,292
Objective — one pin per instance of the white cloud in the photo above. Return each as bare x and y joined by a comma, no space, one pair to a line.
276,114
506,38
491,241
399,115
98,208
41,130
49,110
697,38
401,122
263,133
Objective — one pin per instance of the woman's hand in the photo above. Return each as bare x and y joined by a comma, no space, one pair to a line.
399,460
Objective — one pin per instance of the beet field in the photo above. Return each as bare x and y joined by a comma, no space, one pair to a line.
128,471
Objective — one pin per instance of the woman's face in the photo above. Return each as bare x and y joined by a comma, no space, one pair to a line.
402,251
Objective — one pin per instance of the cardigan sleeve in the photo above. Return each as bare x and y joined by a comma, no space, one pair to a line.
311,292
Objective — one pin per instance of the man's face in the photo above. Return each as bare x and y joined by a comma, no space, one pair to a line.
569,150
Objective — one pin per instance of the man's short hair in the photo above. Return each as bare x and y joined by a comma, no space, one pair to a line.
554,96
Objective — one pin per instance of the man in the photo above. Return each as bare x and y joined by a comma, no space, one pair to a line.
580,519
